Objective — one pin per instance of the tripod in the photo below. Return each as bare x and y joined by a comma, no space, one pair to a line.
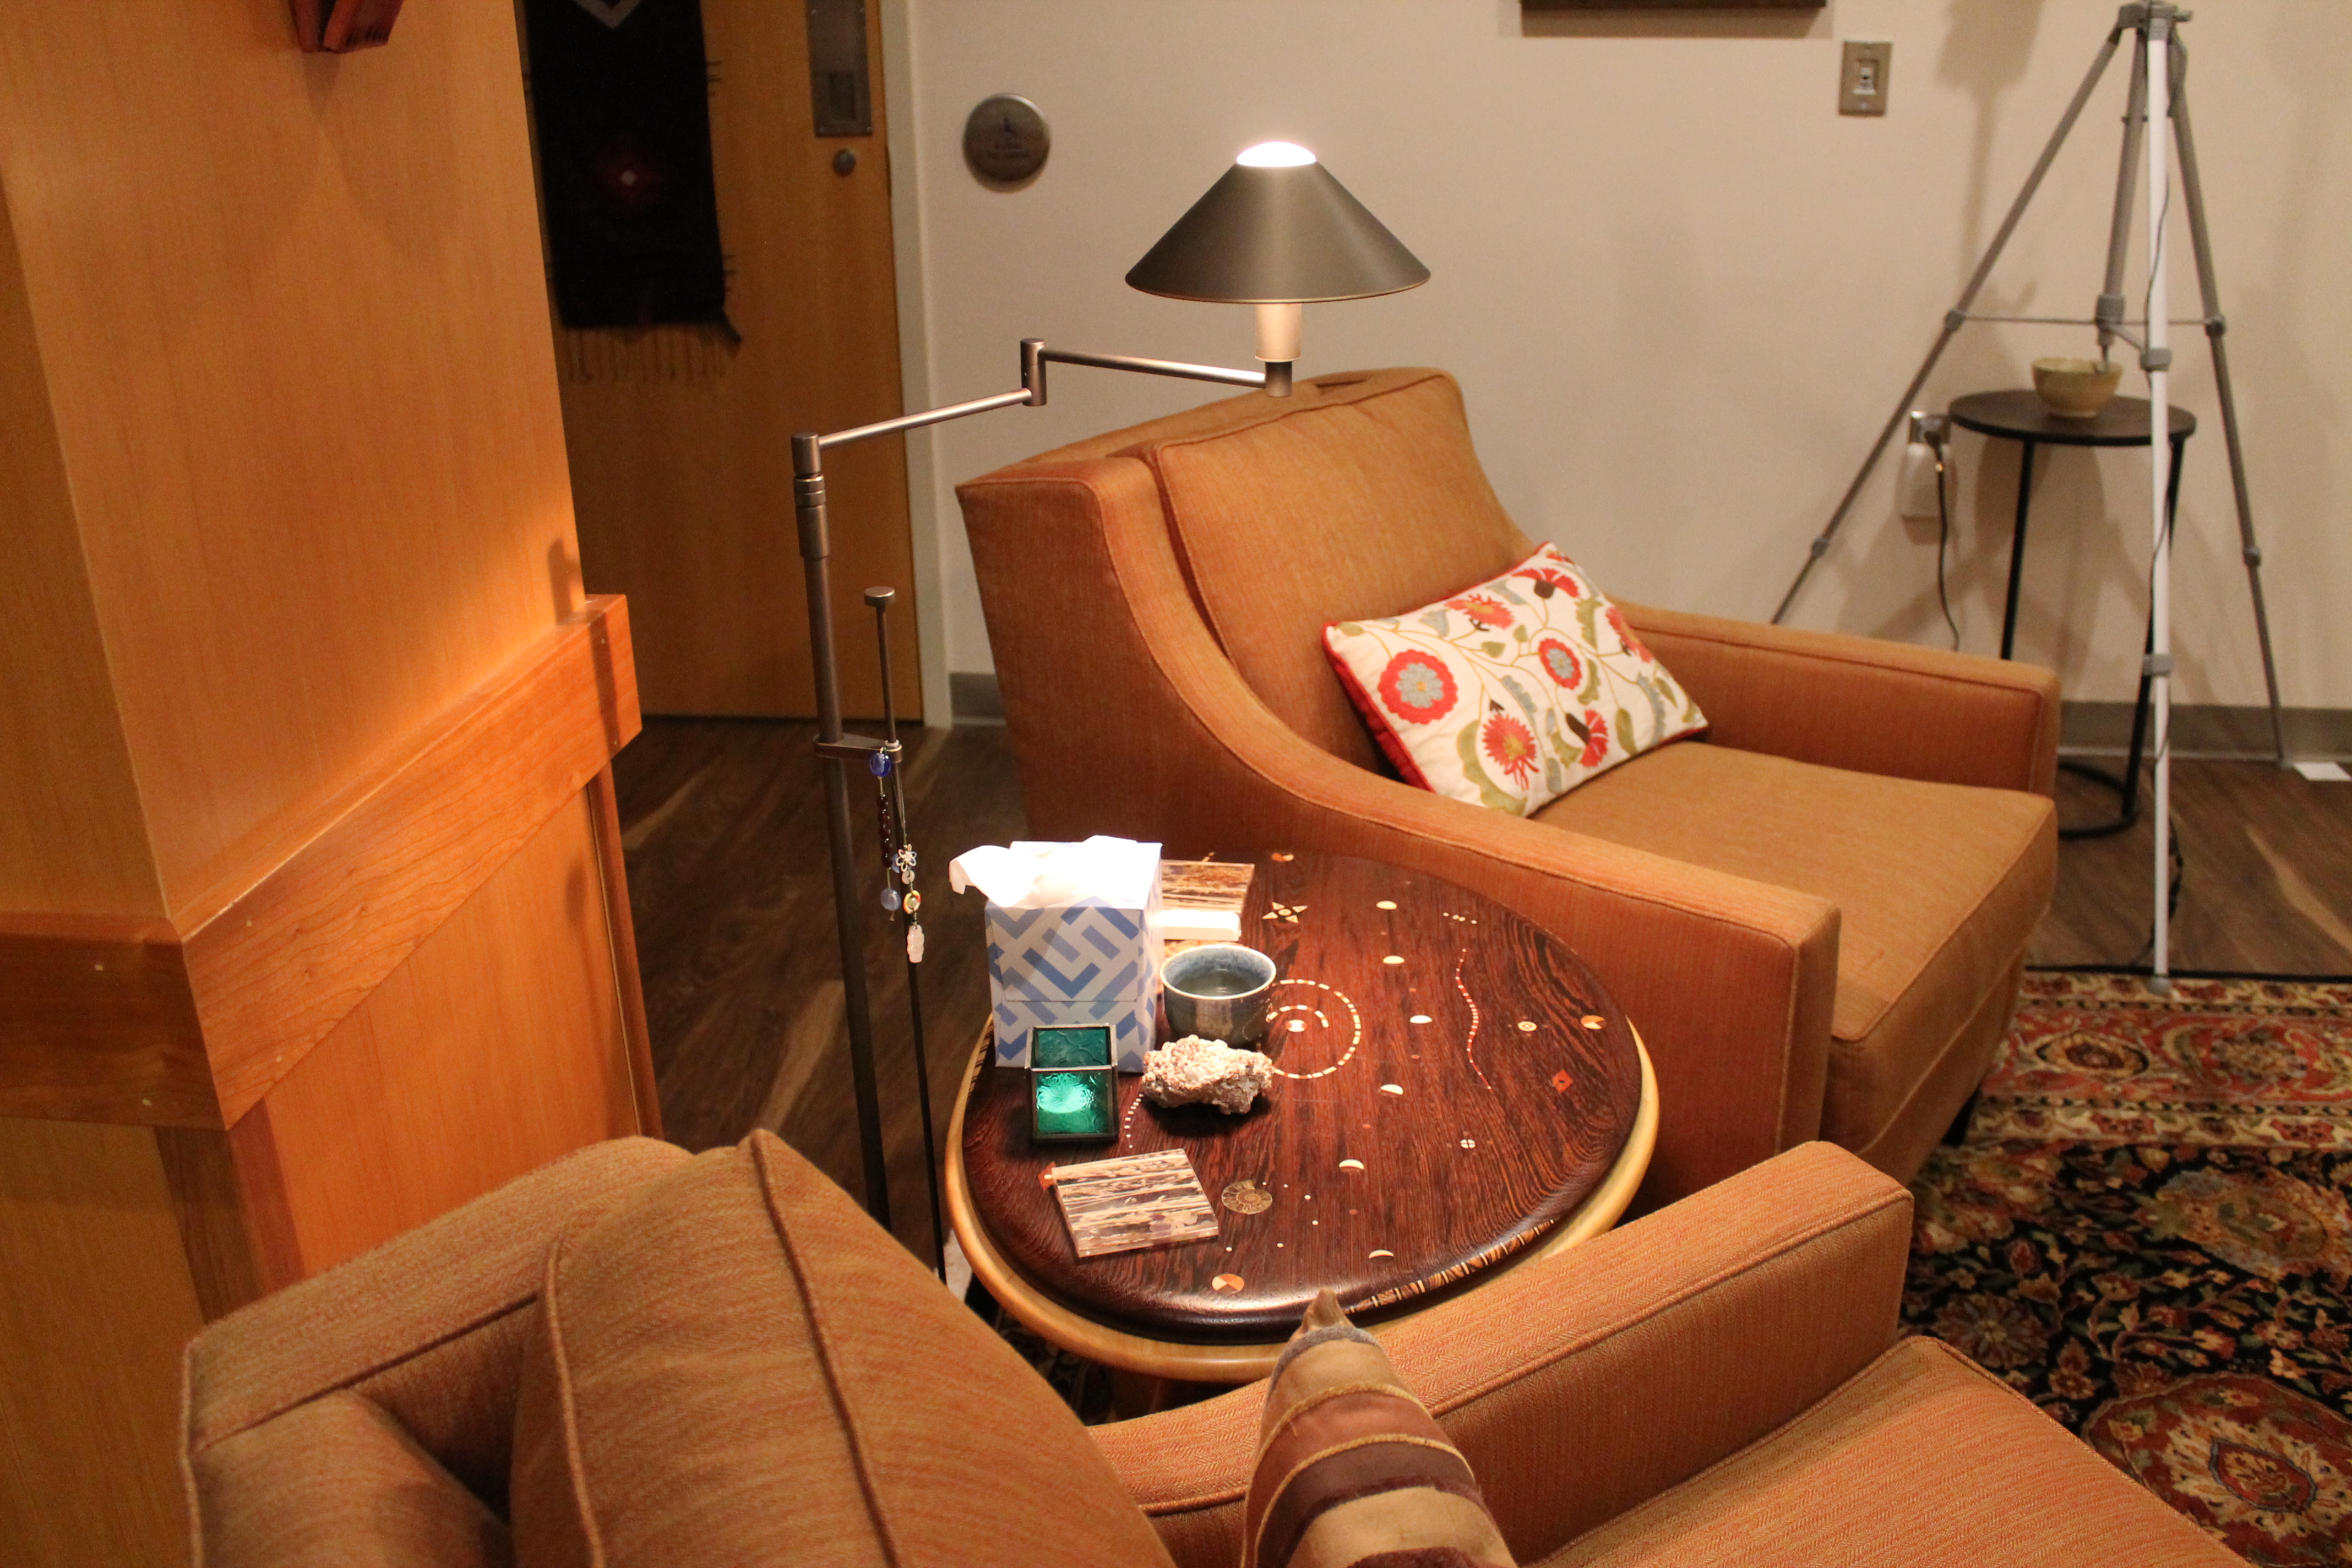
2146,19
2158,84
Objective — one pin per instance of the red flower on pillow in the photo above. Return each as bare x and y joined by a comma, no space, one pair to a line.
1560,662
1596,737
1485,613
1550,580
1417,688
1510,746
1625,634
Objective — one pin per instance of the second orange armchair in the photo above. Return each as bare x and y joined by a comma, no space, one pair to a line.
1816,917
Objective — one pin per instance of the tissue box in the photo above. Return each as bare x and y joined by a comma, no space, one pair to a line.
1091,962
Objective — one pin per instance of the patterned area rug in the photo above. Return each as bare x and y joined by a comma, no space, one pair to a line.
2147,1234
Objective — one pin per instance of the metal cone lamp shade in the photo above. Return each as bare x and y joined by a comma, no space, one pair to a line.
1277,230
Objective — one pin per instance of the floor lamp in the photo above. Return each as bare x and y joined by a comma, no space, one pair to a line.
1277,232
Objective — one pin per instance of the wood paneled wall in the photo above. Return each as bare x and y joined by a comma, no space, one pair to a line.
311,922
293,324
65,769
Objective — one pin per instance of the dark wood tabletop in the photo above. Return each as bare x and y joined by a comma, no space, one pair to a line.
2020,416
1454,1081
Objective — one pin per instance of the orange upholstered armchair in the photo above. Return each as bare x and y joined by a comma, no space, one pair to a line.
1817,917
634,1358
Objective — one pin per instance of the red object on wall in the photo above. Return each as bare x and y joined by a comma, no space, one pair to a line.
338,27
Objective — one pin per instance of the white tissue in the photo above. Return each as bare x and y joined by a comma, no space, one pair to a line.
1197,925
1117,872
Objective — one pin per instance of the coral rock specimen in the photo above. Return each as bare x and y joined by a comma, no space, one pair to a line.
1206,1072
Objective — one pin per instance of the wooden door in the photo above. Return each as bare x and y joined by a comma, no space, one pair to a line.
680,449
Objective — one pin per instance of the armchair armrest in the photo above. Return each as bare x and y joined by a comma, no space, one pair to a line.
429,1326
1859,703
1585,1384
1732,981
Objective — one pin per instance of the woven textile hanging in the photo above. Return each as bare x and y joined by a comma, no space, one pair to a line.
620,99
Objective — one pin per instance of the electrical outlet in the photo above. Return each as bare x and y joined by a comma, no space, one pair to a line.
1861,84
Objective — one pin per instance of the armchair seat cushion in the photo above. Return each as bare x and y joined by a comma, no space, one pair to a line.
1920,1457
1938,886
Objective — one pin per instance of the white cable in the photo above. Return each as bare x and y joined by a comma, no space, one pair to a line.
2158,314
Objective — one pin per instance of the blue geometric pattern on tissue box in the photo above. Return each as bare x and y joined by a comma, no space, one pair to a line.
1071,966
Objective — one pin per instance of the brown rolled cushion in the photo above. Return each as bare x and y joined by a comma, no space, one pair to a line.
736,1366
1352,1470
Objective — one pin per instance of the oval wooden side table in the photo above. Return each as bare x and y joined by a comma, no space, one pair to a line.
1182,1361
1458,1093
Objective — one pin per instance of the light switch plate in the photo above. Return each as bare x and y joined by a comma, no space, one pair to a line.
1862,82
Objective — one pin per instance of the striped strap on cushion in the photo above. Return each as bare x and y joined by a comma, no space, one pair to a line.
1352,1472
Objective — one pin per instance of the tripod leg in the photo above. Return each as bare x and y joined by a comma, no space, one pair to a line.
2110,310
1953,318
2192,192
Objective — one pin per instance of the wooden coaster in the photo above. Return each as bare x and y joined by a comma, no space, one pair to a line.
1205,884
1131,1202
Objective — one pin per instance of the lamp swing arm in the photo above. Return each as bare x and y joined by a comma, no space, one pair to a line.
1957,315
1034,357
836,750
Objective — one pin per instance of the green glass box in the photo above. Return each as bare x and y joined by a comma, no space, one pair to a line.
1073,1086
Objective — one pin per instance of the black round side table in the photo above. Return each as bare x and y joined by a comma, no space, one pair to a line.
2022,417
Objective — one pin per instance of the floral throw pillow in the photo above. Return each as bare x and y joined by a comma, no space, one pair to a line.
1511,693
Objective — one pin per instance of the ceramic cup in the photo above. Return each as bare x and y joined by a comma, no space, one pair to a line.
1218,991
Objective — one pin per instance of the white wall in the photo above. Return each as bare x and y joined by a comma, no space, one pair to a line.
1680,291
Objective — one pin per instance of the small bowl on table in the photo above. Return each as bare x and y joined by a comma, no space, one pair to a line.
2076,388
1218,991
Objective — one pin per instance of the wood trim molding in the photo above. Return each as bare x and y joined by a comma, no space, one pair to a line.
200,1172
605,810
97,1023
189,1022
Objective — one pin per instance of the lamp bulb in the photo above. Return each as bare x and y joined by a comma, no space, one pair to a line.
1274,156
1278,330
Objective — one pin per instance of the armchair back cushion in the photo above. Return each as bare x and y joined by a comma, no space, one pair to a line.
735,1365
1363,500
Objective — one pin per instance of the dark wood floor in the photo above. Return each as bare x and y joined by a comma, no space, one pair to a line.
2265,859
728,880
723,826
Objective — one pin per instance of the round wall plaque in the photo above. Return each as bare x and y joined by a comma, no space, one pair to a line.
1005,139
